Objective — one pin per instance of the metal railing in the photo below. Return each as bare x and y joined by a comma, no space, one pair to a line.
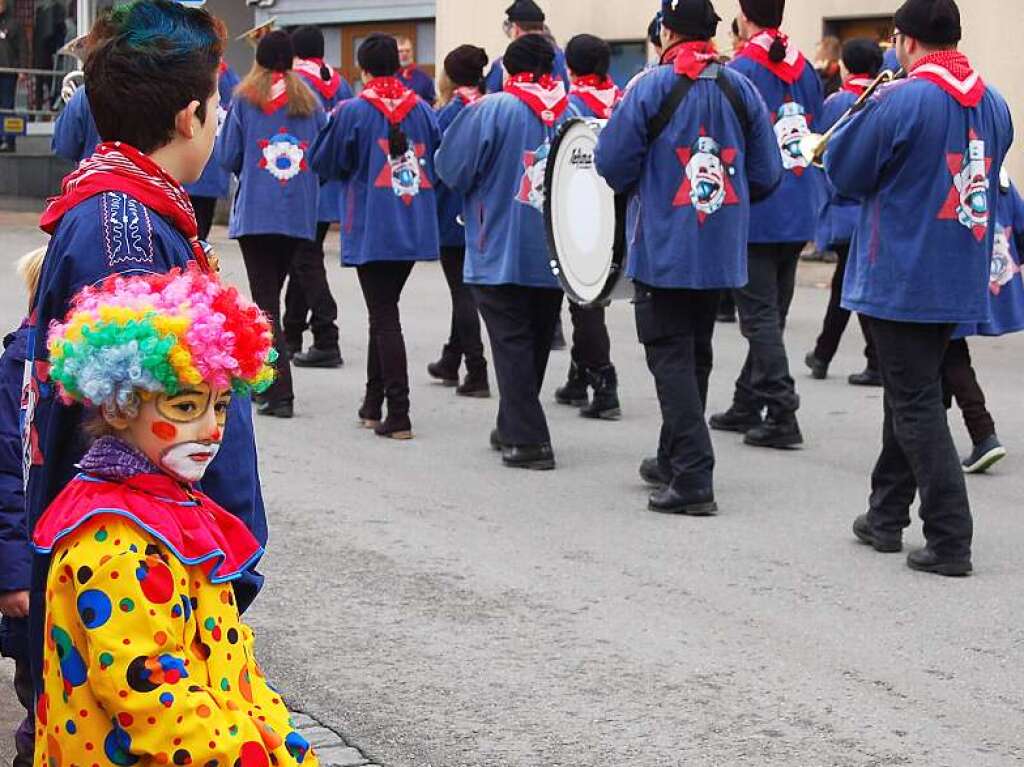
55,75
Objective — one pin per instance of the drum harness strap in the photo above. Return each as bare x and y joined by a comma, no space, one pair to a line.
679,92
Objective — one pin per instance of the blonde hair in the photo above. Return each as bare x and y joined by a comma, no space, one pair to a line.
255,89
29,267
445,89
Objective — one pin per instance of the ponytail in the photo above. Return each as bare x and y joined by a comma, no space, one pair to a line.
398,142
325,73
777,52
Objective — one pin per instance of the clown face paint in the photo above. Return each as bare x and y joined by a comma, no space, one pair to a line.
181,433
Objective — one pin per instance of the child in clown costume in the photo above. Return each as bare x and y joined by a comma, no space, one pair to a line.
146,660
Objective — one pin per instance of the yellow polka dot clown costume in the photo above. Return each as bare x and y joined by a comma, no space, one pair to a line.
146,661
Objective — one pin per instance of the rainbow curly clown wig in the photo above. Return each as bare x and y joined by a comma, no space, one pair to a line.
156,333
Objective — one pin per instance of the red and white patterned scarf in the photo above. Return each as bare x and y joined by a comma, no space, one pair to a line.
545,95
390,97
691,58
469,94
789,69
118,167
951,71
311,71
600,94
278,94
857,84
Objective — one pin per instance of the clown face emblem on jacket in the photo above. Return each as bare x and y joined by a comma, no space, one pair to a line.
972,185
1003,266
405,174
284,156
790,126
531,187
706,175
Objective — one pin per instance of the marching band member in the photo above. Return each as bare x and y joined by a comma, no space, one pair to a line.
780,226
381,147
713,151
1005,315
862,61
461,86
495,153
307,300
412,77
75,136
593,95
274,119
924,159
525,17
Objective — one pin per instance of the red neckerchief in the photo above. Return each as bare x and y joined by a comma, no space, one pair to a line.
278,94
222,67
691,58
789,69
310,70
469,94
952,72
545,96
390,97
600,94
118,167
189,524
857,84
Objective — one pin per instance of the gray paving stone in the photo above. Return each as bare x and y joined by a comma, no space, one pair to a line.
303,720
321,737
340,757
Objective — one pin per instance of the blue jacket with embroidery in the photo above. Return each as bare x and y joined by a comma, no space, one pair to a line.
415,79
329,207
690,205
789,213
495,154
837,215
449,202
495,79
74,134
922,246
389,209
1006,277
278,193
106,234
215,180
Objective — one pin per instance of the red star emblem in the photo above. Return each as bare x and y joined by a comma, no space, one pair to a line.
526,184
384,177
727,155
952,207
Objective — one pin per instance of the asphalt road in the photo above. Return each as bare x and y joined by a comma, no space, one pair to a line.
442,610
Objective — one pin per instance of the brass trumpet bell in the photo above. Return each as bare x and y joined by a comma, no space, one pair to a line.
812,149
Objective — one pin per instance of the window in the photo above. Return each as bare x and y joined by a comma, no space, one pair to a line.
628,58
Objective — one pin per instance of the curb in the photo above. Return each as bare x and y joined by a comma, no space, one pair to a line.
331,748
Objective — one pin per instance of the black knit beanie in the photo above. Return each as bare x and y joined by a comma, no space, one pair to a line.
691,18
308,42
525,10
588,55
933,22
465,65
654,30
764,13
378,55
862,56
275,51
529,53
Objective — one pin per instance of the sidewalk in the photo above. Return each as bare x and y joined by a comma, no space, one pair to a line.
11,712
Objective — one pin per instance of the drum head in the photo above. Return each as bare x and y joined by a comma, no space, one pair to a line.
579,211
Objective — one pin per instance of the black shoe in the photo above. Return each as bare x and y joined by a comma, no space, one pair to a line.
446,369
575,390
869,377
783,433
536,457
694,504
736,419
927,561
984,456
725,316
497,443
370,415
887,543
394,427
651,473
605,404
318,358
475,384
819,369
280,409
291,349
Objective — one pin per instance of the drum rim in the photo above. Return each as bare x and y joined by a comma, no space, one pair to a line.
618,253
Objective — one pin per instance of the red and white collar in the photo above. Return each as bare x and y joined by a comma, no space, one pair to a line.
278,94
312,70
792,65
600,94
857,84
951,71
545,96
390,97
691,58
468,94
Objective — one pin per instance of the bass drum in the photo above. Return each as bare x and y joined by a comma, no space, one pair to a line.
584,218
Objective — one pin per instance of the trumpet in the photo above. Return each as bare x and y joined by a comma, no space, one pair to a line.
71,83
813,145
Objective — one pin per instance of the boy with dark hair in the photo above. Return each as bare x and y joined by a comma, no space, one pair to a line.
151,80
525,17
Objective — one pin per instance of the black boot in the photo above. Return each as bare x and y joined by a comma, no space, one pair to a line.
818,368
927,560
535,457
736,419
696,503
869,377
575,390
605,404
780,431
475,383
651,473
446,369
394,427
318,358
371,412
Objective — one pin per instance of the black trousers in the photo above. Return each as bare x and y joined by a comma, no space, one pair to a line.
308,301
387,369
918,454
836,317
204,208
267,259
959,381
520,322
763,305
24,742
464,336
675,327
591,346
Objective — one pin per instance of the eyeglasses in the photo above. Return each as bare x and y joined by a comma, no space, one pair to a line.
895,38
